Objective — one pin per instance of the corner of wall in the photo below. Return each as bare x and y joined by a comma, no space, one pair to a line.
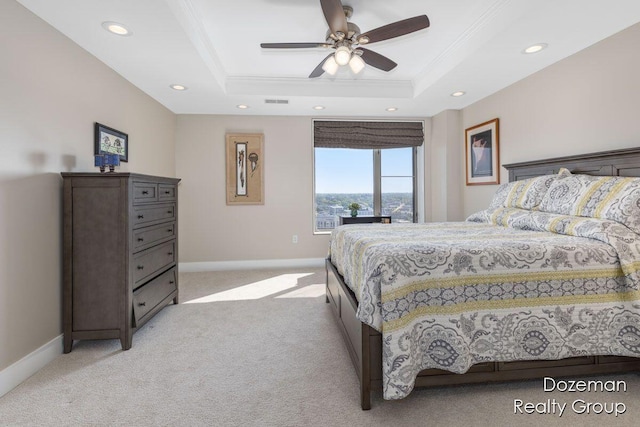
445,166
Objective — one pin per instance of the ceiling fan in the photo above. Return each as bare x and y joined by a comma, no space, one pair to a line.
346,40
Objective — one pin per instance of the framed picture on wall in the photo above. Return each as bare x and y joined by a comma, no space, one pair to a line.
110,141
245,169
482,153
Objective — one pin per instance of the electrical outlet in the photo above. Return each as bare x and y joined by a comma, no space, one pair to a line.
294,239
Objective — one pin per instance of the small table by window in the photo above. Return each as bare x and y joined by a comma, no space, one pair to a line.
365,219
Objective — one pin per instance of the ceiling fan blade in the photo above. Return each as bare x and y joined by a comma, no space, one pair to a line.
291,45
396,29
334,14
318,71
376,60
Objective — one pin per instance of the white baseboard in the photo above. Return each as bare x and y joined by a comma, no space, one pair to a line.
15,374
192,267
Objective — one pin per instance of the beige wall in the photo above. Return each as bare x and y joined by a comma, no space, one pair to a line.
51,93
443,167
588,102
211,231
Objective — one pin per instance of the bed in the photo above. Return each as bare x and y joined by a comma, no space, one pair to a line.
544,282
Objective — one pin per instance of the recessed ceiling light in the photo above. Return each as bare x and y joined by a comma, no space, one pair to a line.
458,93
116,28
242,106
392,109
535,48
178,87
318,107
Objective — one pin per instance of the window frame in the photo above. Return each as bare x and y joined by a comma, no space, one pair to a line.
418,180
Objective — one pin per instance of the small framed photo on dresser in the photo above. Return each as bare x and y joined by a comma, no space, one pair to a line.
110,141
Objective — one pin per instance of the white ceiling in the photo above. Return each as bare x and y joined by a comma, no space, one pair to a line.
213,48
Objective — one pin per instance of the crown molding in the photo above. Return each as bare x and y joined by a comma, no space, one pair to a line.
189,18
482,30
266,86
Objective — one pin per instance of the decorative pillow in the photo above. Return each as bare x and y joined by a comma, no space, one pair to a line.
481,216
501,194
563,173
525,194
604,197
528,193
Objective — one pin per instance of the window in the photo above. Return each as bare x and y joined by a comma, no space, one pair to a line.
373,164
381,181
398,183
342,176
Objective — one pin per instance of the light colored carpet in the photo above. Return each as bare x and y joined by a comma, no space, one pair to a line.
260,348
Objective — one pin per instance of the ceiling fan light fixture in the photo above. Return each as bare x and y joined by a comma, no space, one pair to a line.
344,37
330,66
342,55
356,64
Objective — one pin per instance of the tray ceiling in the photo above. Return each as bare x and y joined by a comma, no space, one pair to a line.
213,48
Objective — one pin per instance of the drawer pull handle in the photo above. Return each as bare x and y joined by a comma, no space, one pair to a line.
167,192
170,253
142,304
141,267
169,212
145,192
140,216
140,239
171,282
169,231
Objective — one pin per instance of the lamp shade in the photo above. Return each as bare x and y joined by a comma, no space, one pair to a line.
343,55
330,65
356,64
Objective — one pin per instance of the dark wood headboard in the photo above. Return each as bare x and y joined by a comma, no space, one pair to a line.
624,162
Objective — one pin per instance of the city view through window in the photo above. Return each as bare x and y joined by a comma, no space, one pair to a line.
345,176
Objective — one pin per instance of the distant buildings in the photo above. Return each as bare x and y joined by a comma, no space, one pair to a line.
328,217
337,210
327,222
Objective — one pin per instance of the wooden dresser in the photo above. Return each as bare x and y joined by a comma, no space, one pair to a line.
120,253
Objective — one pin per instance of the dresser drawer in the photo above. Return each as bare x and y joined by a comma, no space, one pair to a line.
145,237
145,192
153,293
147,215
166,192
151,261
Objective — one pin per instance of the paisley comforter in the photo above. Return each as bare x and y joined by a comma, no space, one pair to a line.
508,284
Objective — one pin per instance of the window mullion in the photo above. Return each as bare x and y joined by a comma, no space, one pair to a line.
377,182
415,183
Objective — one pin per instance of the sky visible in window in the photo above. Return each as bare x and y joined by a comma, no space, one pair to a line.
351,171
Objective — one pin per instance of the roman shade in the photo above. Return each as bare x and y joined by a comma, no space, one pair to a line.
367,135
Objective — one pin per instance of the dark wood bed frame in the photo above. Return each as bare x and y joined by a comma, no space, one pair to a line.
365,343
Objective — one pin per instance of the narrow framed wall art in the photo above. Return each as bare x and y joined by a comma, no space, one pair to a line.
245,168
